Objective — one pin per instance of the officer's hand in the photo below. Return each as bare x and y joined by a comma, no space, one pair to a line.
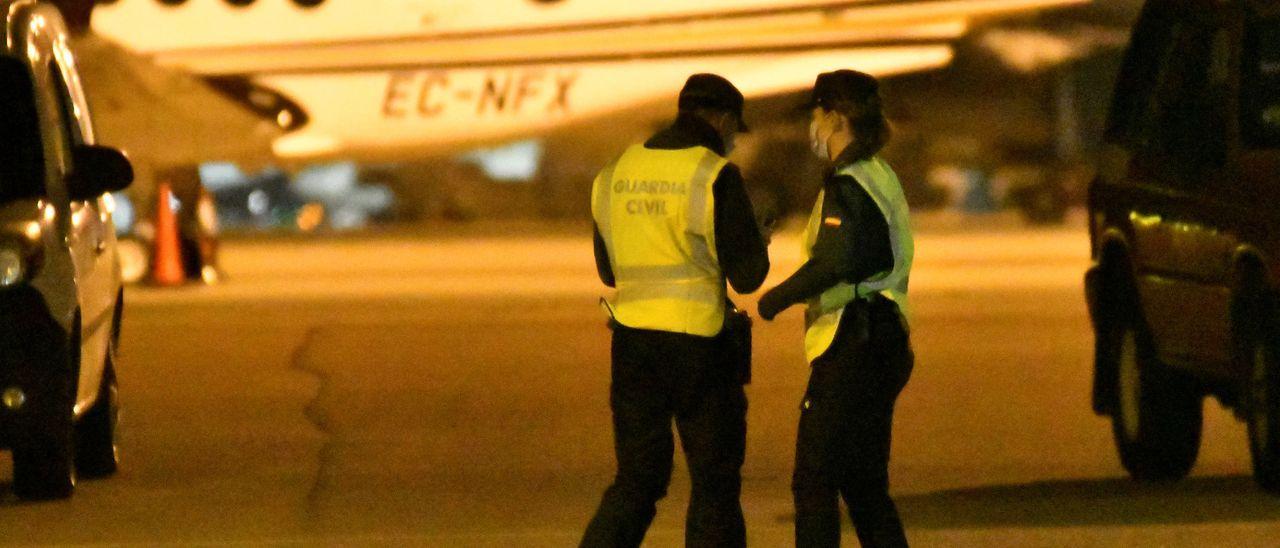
770,306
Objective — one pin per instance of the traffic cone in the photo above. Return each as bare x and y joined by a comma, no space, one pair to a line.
166,261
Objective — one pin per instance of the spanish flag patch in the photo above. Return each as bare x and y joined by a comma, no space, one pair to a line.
832,221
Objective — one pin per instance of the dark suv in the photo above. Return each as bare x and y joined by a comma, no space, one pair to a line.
1185,230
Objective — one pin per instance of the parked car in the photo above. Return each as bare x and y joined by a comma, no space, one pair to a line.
60,295
1185,232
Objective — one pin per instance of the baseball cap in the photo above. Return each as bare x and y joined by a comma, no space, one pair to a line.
841,87
712,91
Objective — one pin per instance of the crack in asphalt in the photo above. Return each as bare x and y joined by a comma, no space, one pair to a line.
316,415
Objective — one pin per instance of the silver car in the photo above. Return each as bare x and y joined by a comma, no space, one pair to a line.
60,292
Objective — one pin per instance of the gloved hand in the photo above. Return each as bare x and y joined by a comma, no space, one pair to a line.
770,305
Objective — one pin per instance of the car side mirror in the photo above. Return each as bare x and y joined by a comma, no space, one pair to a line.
98,170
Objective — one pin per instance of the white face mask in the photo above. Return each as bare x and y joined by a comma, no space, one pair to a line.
818,143
730,142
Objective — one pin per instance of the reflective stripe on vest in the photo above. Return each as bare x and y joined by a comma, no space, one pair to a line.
822,318
655,211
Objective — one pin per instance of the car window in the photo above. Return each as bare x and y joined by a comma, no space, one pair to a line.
66,109
1153,105
1148,57
1260,84
1190,104
21,148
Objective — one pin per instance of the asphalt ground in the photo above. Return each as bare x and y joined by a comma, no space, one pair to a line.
450,389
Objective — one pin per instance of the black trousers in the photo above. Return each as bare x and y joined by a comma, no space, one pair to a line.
659,377
846,421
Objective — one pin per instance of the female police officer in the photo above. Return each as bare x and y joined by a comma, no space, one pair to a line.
859,249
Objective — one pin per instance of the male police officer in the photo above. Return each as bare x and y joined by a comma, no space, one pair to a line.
673,221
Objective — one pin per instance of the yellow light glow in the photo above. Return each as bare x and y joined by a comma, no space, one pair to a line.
209,274
1145,221
109,203
33,231
303,145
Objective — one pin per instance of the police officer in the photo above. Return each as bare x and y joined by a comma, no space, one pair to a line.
859,248
673,221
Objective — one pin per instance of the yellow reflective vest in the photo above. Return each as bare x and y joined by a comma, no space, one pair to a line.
822,318
655,212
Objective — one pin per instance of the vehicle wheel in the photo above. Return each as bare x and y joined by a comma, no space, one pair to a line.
44,459
1264,409
1158,414
97,454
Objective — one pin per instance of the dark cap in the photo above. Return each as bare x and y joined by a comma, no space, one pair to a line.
713,92
842,87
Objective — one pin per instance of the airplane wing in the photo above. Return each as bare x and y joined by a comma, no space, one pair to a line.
165,117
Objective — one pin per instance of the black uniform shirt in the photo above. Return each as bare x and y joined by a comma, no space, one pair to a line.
852,245
744,258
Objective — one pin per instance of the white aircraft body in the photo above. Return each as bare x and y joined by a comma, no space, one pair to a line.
388,78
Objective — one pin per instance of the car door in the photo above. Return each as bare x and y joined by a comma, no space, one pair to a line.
1182,230
88,239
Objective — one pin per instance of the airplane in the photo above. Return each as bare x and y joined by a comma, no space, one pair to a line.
392,79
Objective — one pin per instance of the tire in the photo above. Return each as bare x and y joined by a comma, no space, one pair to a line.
1258,354
1263,407
44,459
1158,413
97,454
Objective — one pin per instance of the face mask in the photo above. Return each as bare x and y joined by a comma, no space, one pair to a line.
818,143
730,143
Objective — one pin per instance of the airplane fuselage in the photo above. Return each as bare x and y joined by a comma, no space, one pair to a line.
393,77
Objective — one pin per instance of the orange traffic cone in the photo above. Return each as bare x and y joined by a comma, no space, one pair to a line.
166,261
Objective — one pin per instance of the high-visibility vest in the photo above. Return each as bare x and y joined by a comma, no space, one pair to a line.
655,212
822,318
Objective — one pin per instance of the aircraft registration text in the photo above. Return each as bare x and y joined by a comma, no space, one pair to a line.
430,94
